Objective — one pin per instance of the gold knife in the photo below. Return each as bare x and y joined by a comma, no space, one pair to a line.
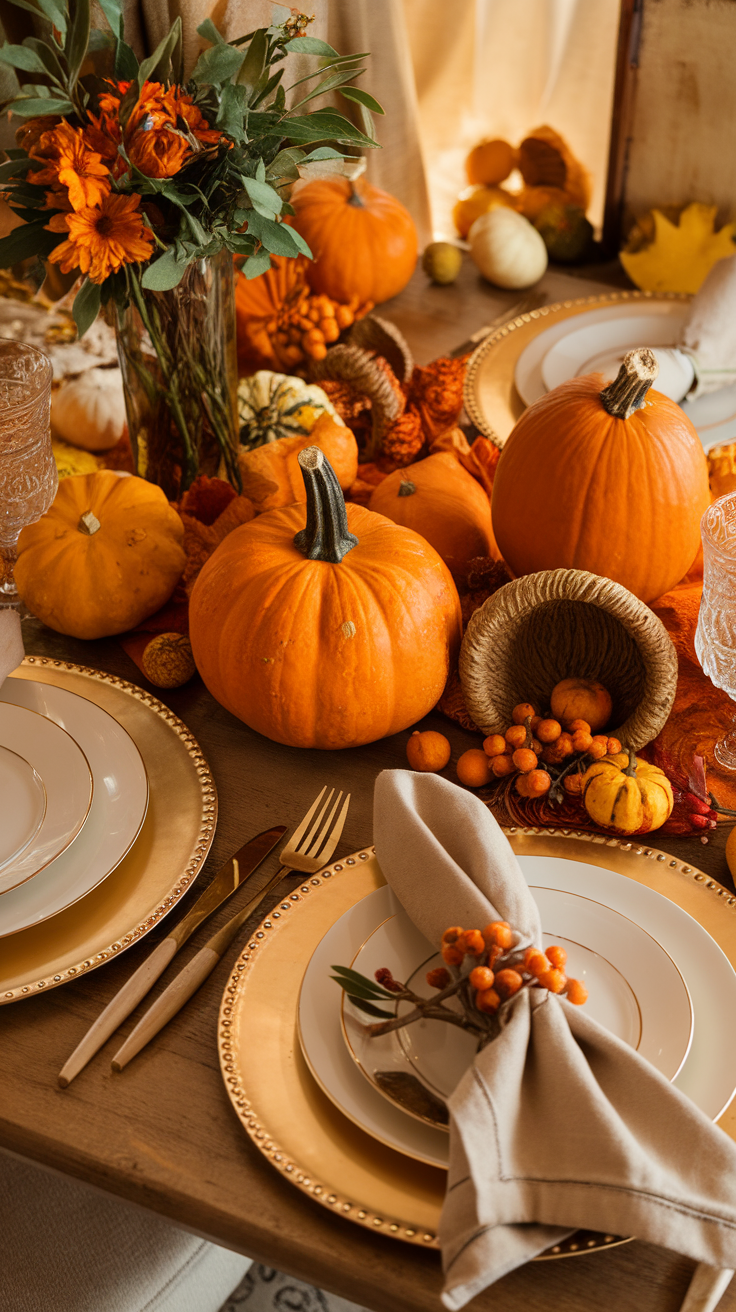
226,881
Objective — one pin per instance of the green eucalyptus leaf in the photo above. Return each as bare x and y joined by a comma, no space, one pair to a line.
262,197
113,12
54,10
210,33
267,88
231,113
330,83
369,1008
22,57
355,977
32,239
279,100
165,272
86,305
12,167
323,152
159,62
278,238
308,45
254,62
217,65
260,171
29,107
255,265
77,41
126,63
286,164
361,97
325,125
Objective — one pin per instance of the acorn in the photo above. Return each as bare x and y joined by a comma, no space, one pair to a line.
167,660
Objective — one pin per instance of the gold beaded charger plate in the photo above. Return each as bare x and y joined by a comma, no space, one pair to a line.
295,1125
162,863
492,400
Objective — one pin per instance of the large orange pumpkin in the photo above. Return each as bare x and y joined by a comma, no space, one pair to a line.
607,479
439,499
363,240
325,625
257,303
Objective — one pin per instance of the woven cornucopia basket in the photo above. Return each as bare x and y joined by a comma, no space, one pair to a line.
566,623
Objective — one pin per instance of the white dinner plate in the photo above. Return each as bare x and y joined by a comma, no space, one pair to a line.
635,991
48,795
708,1075
599,339
119,804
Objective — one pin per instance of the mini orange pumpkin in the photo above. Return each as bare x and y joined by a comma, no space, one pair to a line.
271,476
363,240
613,480
325,626
104,557
439,499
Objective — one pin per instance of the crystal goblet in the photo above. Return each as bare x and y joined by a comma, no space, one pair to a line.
28,475
715,636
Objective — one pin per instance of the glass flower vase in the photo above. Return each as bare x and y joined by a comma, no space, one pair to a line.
178,359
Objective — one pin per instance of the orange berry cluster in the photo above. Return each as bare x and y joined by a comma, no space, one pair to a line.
533,738
498,973
306,324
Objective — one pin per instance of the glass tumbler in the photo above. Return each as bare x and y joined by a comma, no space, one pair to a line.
28,475
715,636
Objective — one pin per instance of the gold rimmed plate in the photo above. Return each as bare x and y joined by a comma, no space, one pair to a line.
492,399
328,1157
159,867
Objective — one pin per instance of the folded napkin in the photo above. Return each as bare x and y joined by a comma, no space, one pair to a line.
557,1125
11,642
709,336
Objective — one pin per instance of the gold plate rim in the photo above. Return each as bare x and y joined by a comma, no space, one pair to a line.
570,307
631,858
181,881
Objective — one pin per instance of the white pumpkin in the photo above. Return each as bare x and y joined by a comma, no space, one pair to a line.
507,248
273,405
89,411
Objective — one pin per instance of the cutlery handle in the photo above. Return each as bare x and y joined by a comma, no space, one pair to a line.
118,1009
167,1005
186,983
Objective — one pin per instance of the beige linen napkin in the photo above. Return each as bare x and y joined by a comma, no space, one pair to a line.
709,336
11,642
557,1125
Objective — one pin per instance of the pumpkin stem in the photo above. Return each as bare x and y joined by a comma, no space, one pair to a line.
407,488
631,767
326,535
355,197
88,523
628,391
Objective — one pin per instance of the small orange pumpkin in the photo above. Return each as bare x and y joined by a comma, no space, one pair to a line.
325,625
439,499
105,556
271,476
363,240
612,479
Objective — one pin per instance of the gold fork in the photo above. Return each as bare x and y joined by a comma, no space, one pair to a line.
306,852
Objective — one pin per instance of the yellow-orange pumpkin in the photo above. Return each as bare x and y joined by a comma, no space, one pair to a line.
363,240
271,475
442,501
104,557
327,635
611,479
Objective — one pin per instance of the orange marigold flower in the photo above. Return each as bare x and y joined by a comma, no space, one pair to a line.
68,162
28,135
437,393
196,121
160,130
102,239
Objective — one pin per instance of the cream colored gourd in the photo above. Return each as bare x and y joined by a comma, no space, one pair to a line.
89,411
507,248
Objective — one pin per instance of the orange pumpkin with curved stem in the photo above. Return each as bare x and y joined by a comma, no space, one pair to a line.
363,240
442,501
327,633
610,479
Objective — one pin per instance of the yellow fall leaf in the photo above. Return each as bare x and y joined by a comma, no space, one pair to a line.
680,255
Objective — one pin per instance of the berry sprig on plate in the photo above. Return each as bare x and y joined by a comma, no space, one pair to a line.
483,970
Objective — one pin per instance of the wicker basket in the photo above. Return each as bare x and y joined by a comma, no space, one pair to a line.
560,623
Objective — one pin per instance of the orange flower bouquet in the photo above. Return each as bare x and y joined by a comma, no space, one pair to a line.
146,186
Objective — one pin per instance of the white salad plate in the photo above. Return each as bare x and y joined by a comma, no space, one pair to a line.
46,790
119,802
708,1075
635,991
597,340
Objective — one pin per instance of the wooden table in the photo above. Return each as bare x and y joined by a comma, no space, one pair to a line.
162,1134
